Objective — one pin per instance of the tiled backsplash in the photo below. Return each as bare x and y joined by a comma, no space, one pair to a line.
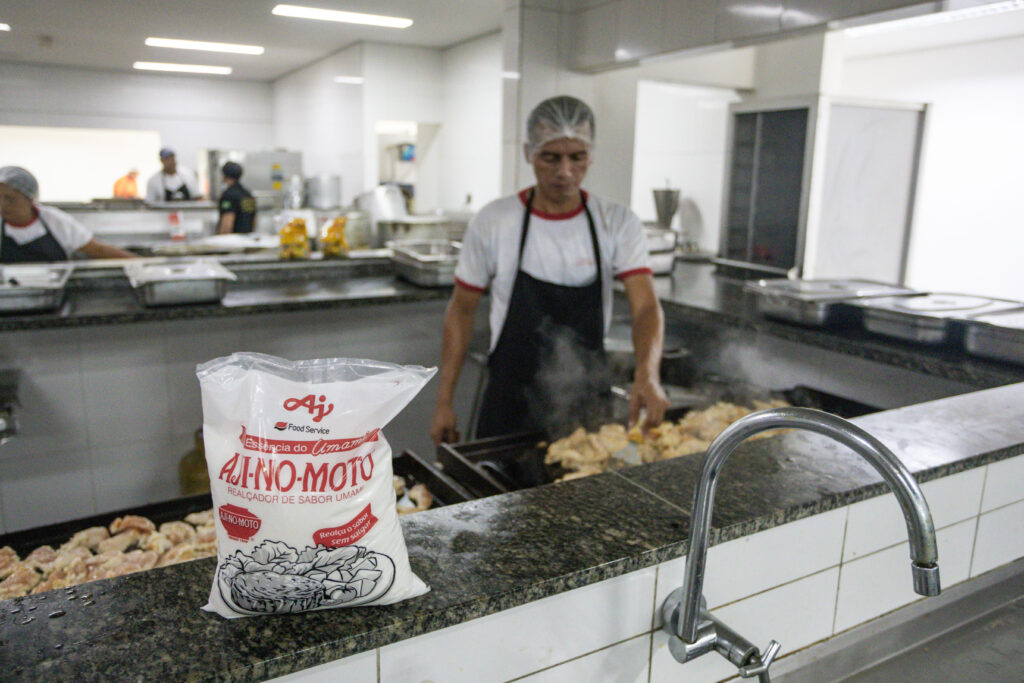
798,583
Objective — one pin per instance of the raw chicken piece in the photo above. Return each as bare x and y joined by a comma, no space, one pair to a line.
88,538
135,561
206,534
41,559
204,518
186,552
69,574
9,561
421,496
399,485
121,541
158,543
178,532
19,583
98,566
132,522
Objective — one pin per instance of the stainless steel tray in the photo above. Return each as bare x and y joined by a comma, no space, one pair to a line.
428,262
660,240
165,284
997,335
813,302
928,318
25,288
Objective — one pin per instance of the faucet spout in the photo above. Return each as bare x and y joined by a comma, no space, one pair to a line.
921,531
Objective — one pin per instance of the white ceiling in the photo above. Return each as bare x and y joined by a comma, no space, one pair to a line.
109,34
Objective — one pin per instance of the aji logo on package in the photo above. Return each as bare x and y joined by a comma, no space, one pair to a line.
318,409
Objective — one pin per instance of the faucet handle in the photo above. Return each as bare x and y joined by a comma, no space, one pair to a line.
760,665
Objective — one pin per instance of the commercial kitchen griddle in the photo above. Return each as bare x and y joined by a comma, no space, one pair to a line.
488,467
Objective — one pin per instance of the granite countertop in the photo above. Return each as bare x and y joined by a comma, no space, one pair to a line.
491,554
101,296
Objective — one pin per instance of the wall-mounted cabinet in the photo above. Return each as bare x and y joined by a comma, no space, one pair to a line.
821,187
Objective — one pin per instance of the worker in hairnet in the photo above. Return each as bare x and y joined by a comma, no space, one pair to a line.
548,255
31,232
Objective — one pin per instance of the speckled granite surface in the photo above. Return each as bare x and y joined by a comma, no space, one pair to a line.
487,555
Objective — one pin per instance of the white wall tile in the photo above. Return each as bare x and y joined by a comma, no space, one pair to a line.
879,583
878,522
623,663
709,668
527,638
1000,538
46,488
135,473
1004,484
360,668
127,404
754,563
51,415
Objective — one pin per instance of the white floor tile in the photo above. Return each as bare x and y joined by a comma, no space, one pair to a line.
878,522
360,668
739,568
622,663
1000,538
45,489
881,582
527,638
1005,483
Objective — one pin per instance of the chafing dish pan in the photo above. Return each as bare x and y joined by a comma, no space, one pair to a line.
426,262
185,282
26,288
814,302
997,335
928,318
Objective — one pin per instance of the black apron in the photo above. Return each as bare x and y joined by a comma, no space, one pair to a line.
39,250
547,371
170,195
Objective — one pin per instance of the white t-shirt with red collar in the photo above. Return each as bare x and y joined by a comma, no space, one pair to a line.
69,233
558,250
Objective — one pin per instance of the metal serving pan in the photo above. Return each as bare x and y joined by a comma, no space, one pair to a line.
997,335
426,262
661,250
814,302
185,282
928,318
26,288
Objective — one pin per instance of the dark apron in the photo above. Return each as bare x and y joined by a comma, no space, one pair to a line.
547,371
181,193
39,250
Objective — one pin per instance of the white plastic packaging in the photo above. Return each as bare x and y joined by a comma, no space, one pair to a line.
301,480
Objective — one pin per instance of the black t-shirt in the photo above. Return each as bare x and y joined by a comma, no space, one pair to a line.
238,200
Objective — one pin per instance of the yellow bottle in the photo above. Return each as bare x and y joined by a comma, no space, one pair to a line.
332,238
192,475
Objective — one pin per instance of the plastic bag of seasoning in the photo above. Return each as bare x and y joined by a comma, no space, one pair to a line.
300,475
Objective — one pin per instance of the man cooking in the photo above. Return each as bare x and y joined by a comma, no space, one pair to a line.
30,232
172,182
237,206
548,255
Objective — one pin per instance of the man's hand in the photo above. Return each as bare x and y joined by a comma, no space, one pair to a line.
647,395
444,425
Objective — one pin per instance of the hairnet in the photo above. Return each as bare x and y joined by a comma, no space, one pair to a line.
556,118
21,180
232,170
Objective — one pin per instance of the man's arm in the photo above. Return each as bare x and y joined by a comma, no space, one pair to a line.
648,338
227,223
458,331
96,249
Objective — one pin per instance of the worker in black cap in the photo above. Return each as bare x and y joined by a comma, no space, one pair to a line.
237,207
173,182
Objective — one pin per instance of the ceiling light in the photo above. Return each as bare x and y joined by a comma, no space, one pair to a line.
936,18
344,17
351,80
5,27
184,68
204,46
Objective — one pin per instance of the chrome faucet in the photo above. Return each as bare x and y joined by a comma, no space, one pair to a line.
691,628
